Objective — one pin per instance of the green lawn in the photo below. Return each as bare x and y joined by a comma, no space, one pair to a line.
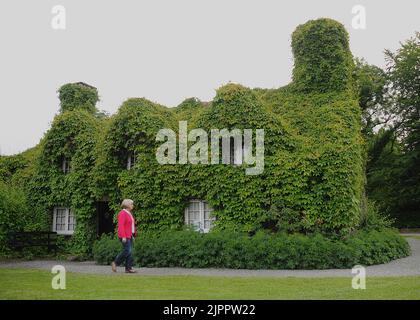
36,284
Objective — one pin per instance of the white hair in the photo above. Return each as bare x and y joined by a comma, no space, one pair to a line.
127,203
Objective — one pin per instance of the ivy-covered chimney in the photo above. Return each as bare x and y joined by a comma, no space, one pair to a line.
78,95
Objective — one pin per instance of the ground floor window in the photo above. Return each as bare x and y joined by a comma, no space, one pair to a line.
199,215
64,221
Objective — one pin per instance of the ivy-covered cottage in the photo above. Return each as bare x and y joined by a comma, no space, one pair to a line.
313,164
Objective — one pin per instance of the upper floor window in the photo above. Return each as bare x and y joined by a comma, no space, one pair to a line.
64,221
199,215
236,152
66,165
131,160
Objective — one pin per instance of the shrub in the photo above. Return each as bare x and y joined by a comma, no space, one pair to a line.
372,219
375,247
13,210
223,249
106,249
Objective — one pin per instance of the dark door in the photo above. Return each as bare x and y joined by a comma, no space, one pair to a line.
105,218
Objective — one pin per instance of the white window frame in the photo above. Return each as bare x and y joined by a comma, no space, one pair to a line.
201,221
131,160
66,230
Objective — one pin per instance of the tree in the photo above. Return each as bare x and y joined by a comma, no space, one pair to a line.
404,74
393,167
371,86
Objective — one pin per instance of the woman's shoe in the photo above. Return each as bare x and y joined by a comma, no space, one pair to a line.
130,271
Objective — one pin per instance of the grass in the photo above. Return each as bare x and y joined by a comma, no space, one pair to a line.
36,284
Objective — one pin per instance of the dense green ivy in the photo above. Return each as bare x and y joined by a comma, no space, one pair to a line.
161,192
73,135
78,96
323,178
313,162
323,61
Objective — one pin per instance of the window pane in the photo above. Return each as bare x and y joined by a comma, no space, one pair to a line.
60,219
71,221
194,216
194,206
196,224
207,211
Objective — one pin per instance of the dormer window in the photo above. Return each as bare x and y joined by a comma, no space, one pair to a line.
131,160
66,165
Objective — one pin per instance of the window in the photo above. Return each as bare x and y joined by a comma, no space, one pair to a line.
64,221
198,214
236,152
131,160
66,165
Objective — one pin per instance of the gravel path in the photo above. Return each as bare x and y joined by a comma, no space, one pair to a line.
401,267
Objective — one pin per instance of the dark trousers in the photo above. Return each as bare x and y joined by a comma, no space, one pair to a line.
126,254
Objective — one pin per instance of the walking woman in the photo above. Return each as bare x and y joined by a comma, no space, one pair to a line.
126,234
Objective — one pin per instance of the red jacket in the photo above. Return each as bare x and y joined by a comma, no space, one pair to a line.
125,226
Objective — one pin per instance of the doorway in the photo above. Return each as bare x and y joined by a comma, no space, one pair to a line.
105,218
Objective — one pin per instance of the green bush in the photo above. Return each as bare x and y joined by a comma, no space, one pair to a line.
235,250
375,247
373,219
13,213
106,249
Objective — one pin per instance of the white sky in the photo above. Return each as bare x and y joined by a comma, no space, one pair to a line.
164,50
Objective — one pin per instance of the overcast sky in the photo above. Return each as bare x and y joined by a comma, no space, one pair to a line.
165,51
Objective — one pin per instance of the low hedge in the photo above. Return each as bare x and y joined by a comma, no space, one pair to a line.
190,249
